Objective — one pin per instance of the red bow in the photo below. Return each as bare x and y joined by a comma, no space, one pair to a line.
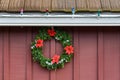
39,43
69,49
55,59
51,32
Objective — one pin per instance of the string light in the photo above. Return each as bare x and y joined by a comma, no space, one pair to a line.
98,13
73,11
47,12
21,12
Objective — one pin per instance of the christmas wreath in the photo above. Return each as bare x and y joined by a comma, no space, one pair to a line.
57,61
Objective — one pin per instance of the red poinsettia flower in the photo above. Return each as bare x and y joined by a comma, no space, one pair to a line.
55,59
51,32
39,43
69,49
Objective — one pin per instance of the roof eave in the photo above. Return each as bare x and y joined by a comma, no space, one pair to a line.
59,20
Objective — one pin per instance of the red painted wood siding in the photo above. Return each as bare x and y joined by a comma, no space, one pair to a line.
96,57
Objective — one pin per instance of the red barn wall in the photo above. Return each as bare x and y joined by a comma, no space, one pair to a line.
96,55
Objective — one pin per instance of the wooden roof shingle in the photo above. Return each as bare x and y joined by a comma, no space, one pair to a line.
59,5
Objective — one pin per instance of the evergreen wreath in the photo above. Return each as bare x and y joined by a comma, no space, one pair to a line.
57,61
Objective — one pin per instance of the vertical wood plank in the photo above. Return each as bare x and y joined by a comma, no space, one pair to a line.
66,72
111,55
29,75
76,55
1,54
36,67
88,54
17,54
46,53
6,54
59,50
100,55
38,71
52,52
